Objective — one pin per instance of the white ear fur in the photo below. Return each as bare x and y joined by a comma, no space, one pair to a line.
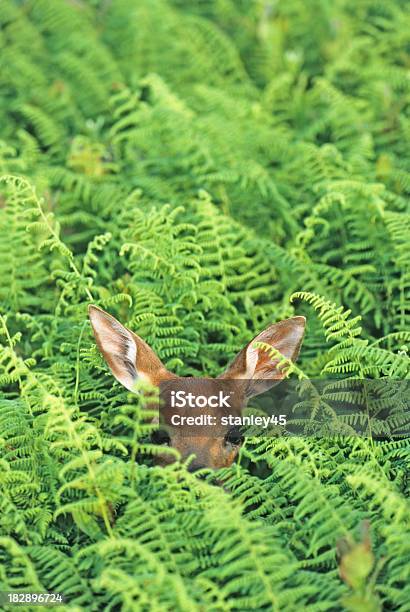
286,337
117,346
128,356
251,361
256,367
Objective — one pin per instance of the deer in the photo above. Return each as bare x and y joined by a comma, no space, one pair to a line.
131,359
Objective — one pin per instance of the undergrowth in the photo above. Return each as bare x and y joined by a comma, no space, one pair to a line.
200,170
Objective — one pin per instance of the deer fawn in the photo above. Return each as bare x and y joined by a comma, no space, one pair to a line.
130,358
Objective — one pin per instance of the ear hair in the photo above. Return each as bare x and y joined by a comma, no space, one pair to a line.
253,364
128,356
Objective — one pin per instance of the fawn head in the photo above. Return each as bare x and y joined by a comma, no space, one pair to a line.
130,359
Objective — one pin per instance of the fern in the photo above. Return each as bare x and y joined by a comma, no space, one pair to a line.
203,170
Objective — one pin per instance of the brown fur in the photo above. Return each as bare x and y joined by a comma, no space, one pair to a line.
129,358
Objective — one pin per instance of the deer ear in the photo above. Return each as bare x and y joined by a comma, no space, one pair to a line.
256,366
127,355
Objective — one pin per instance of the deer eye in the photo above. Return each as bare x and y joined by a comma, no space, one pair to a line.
234,437
161,437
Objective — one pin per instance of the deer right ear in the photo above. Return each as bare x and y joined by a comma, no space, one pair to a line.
256,366
128,356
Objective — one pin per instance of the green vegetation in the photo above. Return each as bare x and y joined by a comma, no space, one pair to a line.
200,169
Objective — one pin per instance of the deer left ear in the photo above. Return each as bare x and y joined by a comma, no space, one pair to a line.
255,365
128,356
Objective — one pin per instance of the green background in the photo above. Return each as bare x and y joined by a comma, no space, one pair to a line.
200,170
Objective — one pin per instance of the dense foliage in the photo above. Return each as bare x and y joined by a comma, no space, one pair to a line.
200,169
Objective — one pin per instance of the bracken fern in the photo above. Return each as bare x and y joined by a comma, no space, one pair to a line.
202,170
